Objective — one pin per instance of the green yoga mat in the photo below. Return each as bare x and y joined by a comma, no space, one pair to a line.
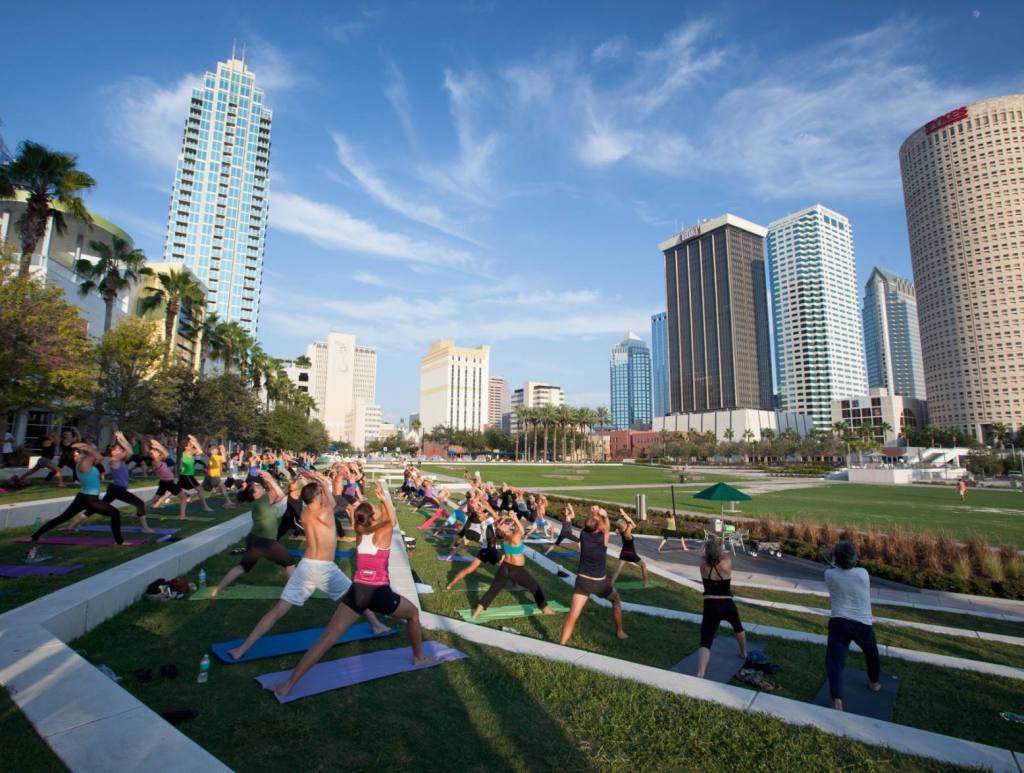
635,585
245,593
509,612
199,518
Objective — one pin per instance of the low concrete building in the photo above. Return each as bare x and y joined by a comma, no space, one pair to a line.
739,420
885,413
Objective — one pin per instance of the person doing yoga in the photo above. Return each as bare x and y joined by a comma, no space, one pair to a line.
317,570
264,493
628,554
167,487
592,574
375,527
566,531
716,574
488,552
513,569
120,454
86,460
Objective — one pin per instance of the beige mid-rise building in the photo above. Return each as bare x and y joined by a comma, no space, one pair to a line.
454,386
963,185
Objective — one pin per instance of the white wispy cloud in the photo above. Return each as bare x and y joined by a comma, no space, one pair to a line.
371,182
397,93
530,84
147,118
611,49
333,228
366,278
274,70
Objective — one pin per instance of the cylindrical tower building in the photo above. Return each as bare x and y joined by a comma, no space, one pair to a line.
963,186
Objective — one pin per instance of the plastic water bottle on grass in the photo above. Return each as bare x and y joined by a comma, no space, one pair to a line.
202,578
204,670
37,524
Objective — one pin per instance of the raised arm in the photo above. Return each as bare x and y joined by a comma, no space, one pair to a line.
276,495
122,441
325,486
387,506
93,456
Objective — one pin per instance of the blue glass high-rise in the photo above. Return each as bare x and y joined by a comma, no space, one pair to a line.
219,205
892,342
659,364
630,371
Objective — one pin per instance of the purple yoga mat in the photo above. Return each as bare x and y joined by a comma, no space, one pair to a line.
346,672
96,541
35,570
124,529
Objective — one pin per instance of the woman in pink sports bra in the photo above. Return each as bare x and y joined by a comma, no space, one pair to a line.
370,589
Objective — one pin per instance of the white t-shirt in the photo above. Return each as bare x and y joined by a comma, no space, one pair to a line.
8,443
850,592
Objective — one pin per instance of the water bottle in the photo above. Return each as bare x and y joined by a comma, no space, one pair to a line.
202,578
204,669
37,524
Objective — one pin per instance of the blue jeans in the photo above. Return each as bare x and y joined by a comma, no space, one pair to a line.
841,632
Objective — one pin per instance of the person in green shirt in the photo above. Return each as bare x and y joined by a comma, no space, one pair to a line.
187,470
262,540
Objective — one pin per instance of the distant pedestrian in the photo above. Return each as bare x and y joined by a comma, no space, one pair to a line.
8,447
961,486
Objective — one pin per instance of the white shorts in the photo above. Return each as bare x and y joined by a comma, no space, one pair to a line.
310,576
542,524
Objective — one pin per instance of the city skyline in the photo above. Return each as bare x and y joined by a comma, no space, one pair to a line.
353,212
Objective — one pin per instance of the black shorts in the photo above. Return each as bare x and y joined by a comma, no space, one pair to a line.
348,499
472,535
167,487
261,547
188,482
715,611
489,555
377,598
600,588
630,555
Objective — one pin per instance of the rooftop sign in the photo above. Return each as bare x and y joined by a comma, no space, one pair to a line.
945,120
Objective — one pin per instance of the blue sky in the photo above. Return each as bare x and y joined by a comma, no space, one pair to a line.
502,173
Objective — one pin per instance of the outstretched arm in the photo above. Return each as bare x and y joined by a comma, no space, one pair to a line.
387,506
276,495
122,441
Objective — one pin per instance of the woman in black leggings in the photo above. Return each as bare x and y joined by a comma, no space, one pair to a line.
513,569
716,574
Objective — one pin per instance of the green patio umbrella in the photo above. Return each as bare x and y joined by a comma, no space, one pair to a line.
722,492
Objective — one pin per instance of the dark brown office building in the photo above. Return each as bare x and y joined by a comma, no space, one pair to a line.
718,347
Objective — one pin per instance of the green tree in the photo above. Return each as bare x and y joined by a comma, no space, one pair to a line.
119,266
302,361
208,331
288,427
53,182
175,289
127,355
602,418
46,357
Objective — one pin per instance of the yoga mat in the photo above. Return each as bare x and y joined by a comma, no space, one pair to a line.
509,612
358,669
422,588
427,523
125,529
94,541
245,593
858,697
725,660
635,585
34,570
566,554
337,553
455,559
198,518
296,641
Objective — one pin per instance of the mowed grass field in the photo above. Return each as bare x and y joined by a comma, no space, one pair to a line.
557,475
996,516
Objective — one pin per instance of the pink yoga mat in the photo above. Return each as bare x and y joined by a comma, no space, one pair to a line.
346,672
35,570
429,522
96,541
124,529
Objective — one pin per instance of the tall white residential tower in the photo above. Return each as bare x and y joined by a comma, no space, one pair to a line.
217,223
819,347
454,386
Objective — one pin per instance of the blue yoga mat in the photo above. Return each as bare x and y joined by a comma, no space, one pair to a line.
337,553
296,641
557,554
455,558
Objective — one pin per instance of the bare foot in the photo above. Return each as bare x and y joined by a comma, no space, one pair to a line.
449,586
548,611
148,531
214,592
236,653
875,686
476,613
622,635
423,660
837,704
283,689
379,629
207,510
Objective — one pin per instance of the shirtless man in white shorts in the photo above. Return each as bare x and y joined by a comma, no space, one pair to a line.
317,570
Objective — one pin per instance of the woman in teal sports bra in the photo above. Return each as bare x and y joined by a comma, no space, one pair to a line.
513,569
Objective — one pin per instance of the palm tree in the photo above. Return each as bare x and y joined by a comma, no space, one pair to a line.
602,418
302,361
587,419
48,177
259,364
208,333
563,418
236,345
119,266
520,412
175,289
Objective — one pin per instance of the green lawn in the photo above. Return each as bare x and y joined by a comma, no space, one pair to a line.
492,711
24,750
997,516
96,559
37,490
968,713
557,475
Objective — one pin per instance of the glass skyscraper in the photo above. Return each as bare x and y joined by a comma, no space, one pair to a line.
631,384
819,347
217,223
892,343
659,364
